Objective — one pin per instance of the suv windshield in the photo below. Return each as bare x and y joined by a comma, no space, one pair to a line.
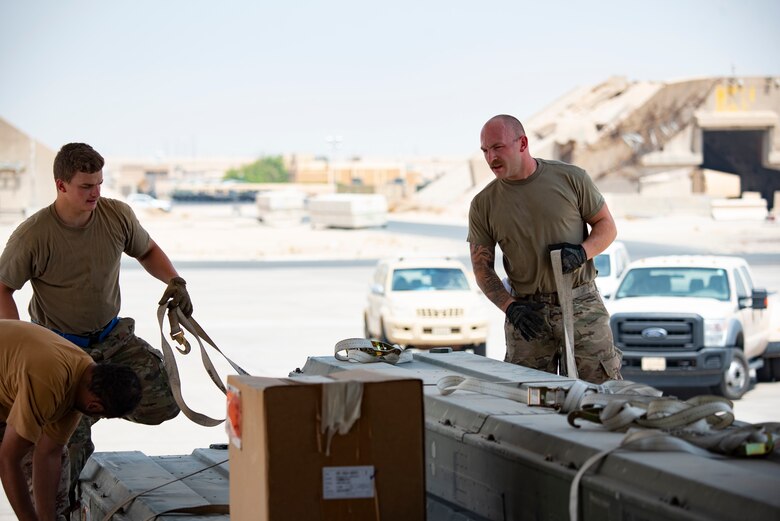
429,279
675,282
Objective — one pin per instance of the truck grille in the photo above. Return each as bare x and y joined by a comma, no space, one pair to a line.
439,312
648,331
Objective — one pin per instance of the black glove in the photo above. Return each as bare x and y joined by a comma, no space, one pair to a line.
176,292
525,317
572,255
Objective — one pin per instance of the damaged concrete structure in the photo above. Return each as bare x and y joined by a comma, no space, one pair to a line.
26,181
661,147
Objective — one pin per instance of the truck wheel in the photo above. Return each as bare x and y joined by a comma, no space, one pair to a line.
775,367
770,372
765,373
736,378
480,349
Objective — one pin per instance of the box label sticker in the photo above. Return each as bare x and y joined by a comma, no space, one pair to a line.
348,482
233,423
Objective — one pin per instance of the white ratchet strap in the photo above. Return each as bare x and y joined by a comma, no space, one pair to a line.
705,421
641,440
702,425
341,408
569,397
528,393
619,412
511,390
582,393
177,319
563,283
365,351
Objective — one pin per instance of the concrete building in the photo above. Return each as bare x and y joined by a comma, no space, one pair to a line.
26,175
395,179
160,176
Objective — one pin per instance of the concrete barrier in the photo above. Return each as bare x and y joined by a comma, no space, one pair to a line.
637,205
744,209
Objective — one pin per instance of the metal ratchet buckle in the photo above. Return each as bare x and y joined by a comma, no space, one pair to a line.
546,396
176,332
381,349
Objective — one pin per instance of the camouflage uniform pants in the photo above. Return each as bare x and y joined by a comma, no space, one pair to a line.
595,353
157,405
62,502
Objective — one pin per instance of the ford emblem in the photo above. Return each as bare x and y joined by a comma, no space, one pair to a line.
654,332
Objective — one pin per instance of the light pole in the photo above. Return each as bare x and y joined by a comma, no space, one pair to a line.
335,143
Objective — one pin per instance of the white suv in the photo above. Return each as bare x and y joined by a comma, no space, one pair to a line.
139,201
611,263
426,303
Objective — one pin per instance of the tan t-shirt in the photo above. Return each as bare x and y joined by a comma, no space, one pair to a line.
524,217
74,271
39,375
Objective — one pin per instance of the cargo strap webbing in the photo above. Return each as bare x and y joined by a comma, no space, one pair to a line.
367,351
563,283
568,397
642,440
341,406
618,405
511,390
705,421
199,509
702,425
176,319
744,440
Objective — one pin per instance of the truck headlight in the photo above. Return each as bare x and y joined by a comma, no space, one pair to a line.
715,331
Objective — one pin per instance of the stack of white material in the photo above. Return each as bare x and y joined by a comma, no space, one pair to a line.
348,210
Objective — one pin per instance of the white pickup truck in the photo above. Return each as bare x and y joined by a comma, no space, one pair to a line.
692,321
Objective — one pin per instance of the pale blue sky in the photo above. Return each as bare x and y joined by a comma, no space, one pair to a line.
177,77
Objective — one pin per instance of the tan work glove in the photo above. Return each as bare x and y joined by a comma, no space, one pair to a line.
176,292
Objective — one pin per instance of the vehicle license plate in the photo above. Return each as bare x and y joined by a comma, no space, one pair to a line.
441,331
653,363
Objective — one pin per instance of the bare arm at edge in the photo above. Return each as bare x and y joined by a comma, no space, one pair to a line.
47,466
483,261
8,307
603,232
12,450
157,263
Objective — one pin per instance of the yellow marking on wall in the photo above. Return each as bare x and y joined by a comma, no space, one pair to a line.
730,98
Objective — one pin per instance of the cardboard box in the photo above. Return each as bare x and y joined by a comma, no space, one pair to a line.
282,467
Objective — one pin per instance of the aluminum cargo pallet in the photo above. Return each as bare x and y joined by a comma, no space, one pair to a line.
491,458
487,458
110,478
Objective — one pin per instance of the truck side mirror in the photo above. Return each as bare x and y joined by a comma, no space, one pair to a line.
759,299
377,289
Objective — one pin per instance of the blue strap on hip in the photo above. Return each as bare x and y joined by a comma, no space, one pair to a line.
93,338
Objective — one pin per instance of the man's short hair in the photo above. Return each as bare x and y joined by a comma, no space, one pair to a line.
511,123
118,388
76,157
